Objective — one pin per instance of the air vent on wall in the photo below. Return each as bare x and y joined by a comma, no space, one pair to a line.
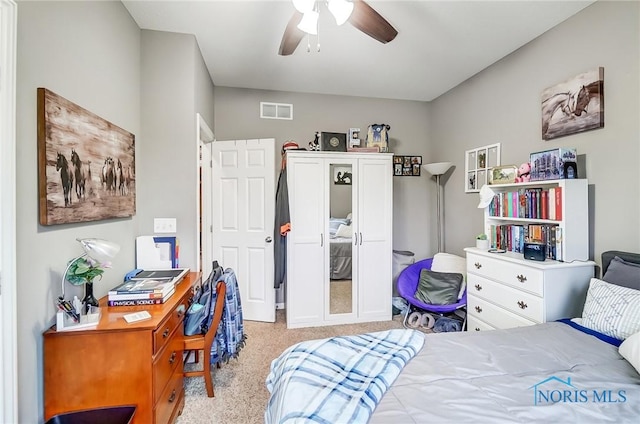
276,110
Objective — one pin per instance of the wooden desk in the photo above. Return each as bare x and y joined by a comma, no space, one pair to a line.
117,363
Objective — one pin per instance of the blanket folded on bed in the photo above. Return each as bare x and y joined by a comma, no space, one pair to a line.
339,379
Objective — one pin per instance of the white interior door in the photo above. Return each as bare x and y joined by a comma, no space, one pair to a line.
8,333
204,238
243,219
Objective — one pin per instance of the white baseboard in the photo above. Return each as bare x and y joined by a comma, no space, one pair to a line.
280,306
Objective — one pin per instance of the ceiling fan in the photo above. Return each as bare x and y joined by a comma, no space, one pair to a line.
357,13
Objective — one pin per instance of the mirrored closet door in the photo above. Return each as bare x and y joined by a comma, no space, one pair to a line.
342,237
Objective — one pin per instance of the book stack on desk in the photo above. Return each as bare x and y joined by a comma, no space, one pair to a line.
141,292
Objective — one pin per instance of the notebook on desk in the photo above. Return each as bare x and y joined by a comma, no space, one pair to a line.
172,274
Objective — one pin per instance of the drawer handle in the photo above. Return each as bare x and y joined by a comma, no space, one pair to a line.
478,265
522,305
477,329
521,278
478,309
180,310
165,333
172,358
173,396
478,287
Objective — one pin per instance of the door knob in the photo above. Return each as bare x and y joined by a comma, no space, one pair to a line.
268,239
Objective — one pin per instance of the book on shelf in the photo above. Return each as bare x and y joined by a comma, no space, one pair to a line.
123,300
558,206
143,287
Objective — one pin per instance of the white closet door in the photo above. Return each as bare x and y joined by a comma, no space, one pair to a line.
306,272
375,220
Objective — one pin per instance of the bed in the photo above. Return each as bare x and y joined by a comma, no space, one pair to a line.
554,372
340,240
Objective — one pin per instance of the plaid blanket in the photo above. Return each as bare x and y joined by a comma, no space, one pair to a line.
230,337
339,379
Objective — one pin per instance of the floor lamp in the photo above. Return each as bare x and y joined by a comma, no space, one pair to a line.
437,169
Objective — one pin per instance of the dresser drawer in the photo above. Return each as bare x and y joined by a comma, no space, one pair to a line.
171,397
162,334
167,362
515,275
517,301
494,315
476,324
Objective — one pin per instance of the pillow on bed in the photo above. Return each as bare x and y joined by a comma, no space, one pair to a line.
334,224
438,288
623,273
612,310
343,231
630,350
446,262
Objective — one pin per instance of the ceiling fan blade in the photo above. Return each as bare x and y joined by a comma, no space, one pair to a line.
292,35
367,20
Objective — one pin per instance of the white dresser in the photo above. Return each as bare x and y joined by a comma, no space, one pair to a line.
504,290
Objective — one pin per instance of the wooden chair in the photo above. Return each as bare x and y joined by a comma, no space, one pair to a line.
203,342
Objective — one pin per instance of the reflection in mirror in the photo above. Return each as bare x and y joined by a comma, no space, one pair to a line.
340,239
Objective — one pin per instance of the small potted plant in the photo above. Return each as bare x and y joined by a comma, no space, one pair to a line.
482,242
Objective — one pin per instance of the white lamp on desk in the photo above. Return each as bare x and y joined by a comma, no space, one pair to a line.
97,249
68,318
437,169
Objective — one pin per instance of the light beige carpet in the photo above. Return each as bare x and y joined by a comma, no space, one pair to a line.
240,392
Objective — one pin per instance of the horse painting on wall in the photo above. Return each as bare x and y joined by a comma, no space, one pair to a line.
574,106
86,165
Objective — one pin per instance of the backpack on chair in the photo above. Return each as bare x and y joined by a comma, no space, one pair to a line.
200,312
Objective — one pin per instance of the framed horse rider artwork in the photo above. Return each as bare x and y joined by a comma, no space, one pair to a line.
86,165
574,106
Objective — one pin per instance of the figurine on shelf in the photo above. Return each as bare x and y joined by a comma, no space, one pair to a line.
524,173
315,144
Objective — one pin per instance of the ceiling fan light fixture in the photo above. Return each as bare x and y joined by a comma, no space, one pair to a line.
340,9
309,22
303,6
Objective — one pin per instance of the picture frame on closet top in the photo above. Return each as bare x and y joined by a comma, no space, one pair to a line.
477,165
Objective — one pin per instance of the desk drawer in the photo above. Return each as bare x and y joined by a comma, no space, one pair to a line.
162,334
165,365
519,276
494,315
517,301
170,398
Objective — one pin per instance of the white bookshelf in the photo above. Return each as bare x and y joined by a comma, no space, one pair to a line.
574,224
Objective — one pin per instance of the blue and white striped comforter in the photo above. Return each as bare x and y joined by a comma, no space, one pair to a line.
339,379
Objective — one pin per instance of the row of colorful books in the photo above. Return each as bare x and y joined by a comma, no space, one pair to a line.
513,237
535,203
152,287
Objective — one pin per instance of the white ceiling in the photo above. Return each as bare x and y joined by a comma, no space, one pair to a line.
439,44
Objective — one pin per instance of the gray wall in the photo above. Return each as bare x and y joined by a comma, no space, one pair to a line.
89,53
175,86
237,116
149,83
502,104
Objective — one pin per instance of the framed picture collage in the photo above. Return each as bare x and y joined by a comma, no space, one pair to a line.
407,166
